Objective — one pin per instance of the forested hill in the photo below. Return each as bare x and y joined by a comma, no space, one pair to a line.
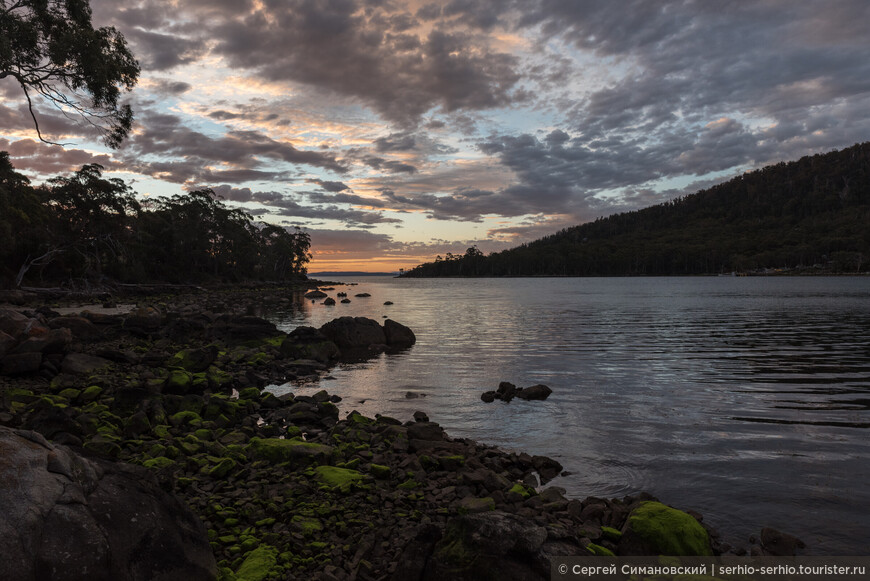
810,215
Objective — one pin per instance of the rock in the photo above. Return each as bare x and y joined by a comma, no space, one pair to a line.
354,332
546,467
398,335
425,430
420,416
15,324
506,391
308,343
345,301
143,319
538,392
66,517
7,342
489,545
80,327
244,328
329,301
54,341
388,303
362,295
20,363
194,360
653,528
488,396
776,543
81,363
315,294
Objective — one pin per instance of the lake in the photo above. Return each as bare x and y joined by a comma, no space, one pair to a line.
744,398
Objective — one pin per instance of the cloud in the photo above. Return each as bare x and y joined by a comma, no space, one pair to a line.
43,159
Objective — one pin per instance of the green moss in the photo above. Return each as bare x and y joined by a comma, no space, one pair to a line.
409,484
274,341
158,463
91,393
292,450
668,531
250,393
521,490
223,468
161,431
179,381
341,478
357,418
186,418
611,534
451,463
380,472
307,526
70,393
218,378
599,550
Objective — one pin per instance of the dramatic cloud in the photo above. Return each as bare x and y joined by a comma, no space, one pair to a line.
457,121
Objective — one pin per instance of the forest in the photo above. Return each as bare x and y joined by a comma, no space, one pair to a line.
810,215
85,230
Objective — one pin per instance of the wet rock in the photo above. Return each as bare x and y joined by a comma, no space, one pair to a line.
354,332
315,294
89,519
54,341
329,301
421,417
362,295
487,396
398,335
779,544
308,343
535,392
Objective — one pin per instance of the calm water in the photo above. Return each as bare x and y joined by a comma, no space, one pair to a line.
747,399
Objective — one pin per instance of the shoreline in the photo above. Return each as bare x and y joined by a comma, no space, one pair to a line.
295,485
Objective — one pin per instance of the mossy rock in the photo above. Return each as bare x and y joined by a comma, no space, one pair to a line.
91,393
250,393
306,525
186,418
339,478
654,528
357,418
223,468
70,393
471,505
158,463
611,534
520,489
292,450
258,564
179,381
451,463
380,472
599,550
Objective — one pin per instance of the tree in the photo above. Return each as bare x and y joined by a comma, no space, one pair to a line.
51,48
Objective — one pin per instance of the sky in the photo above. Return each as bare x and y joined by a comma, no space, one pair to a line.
395,131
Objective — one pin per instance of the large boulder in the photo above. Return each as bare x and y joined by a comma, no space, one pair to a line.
315,294
66,517
354,332
80,327
654,528
398,335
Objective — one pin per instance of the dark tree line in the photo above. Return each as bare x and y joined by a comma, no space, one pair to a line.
86,228
811,213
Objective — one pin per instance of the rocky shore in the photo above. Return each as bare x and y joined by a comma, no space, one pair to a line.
142,439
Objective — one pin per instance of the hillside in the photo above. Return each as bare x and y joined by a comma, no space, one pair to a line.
810,215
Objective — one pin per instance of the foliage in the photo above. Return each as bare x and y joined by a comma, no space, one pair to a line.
810,214
86,228
51,48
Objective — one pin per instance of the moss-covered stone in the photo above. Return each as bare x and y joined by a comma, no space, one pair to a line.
223,468
90,393
599,550
292,450
520,489
380,472
70,393
179,381
611,534
339,478
158,463
186,418
471,505
657,529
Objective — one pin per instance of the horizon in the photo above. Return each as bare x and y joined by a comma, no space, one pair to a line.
394,133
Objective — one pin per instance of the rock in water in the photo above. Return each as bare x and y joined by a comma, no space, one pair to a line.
539,392
398,335
66,517
354,332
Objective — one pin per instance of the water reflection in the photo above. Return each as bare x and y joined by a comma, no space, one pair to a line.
746,399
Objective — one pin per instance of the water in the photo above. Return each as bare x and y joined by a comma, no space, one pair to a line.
747,399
